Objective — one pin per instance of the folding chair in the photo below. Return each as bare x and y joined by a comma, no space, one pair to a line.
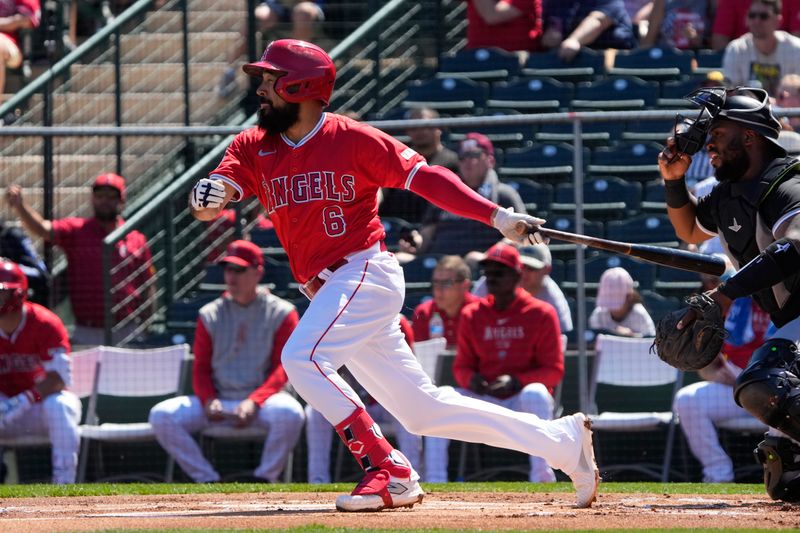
486,64
447,94
428,353
654,63
84,367
128,383
625,370
615,93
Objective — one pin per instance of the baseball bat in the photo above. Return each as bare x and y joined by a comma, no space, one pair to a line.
660,255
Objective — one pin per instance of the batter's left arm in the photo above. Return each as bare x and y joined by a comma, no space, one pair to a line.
209,197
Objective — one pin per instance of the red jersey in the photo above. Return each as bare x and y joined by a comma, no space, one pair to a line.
321,193
759,322
40,334
523,340
425,311
29,8
82,242
521,33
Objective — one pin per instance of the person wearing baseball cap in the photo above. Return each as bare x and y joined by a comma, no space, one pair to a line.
619,310
238,376
449,234
81,238
508,353
537,264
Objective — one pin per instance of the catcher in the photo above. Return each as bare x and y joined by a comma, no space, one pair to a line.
754,211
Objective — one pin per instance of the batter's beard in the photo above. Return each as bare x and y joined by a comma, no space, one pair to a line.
734,167
278,120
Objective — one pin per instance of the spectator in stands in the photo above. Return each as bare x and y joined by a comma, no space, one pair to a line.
595,23
730,21
439,317
427,141
680,24
17,246
132,271
319,432
509,353
765,54
537,264
237,375
508,24
445,233
639,13
305,18
788,95
35,373
619,310
15,15
703,404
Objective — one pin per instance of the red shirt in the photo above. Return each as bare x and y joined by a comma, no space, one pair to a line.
321,193
203,381
131,267
524,341
521,33
29,8
422,320
40,334
731,18
740,355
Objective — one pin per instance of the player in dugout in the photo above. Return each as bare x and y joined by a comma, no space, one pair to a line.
318,175
754,210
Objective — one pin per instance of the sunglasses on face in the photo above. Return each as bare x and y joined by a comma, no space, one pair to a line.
445,283
470,155
236,269
761,15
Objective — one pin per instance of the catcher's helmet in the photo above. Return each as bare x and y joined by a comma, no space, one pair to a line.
308,71
12,279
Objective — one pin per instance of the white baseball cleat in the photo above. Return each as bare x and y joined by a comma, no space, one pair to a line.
378,490
586,477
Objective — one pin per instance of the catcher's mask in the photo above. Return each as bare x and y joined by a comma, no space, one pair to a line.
747,106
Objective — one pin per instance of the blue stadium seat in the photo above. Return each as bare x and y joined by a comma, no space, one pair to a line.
447,94
609,197
531,95
654,63
648,130
551,160
633,160
643,273
419,270
278,276
615,93
479,64
593,134
586,66
654,199
673,280
512,136
537,196
658,305
592,228
265,238
652,229
395,228
673,92
707,61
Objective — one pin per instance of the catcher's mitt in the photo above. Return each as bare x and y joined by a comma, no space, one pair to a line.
696,345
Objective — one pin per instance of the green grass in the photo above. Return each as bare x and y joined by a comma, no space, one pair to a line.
324,529
109,489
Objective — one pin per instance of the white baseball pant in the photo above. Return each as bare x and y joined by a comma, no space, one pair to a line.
319,435
176,419
353,320
56,416
533,398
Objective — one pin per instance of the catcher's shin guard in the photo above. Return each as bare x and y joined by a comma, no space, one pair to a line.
780,458
769,388
390,480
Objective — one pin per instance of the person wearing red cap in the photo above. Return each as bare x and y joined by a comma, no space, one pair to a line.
318,174
447,233
238,378
509,353
81,239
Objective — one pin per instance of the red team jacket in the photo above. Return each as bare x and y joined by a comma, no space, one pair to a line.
22,354
422,319
523,341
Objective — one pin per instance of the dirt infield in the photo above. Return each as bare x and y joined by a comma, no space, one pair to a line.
512,511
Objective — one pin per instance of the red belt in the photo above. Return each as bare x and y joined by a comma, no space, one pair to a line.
312,286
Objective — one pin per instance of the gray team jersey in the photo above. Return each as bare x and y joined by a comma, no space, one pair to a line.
242,339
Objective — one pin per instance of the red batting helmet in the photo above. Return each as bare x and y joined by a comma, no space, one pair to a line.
308,71
12,279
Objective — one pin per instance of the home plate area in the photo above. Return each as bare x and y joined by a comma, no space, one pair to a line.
494,510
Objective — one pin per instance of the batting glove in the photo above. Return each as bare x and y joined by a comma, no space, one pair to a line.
207,193
514,226
12,408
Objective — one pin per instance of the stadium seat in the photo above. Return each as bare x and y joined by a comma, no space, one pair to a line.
533,95
265,238
673,92
614,94
413,299
654,63
658,305
651,229
654,197
536,196
600,133
419,270
647,130
510,136
447,94
567,223
586,66
395,228
644,274
547,160
479,64
708,61
608,197
676,281
633,160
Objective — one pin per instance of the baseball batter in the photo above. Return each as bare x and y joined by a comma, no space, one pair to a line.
318,175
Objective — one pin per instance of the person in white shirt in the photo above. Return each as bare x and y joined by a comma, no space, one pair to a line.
619,310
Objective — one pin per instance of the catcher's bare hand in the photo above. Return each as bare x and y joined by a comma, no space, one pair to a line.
672,164
517,227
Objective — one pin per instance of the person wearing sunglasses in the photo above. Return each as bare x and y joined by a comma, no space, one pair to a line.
238,377
764,54
730,20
